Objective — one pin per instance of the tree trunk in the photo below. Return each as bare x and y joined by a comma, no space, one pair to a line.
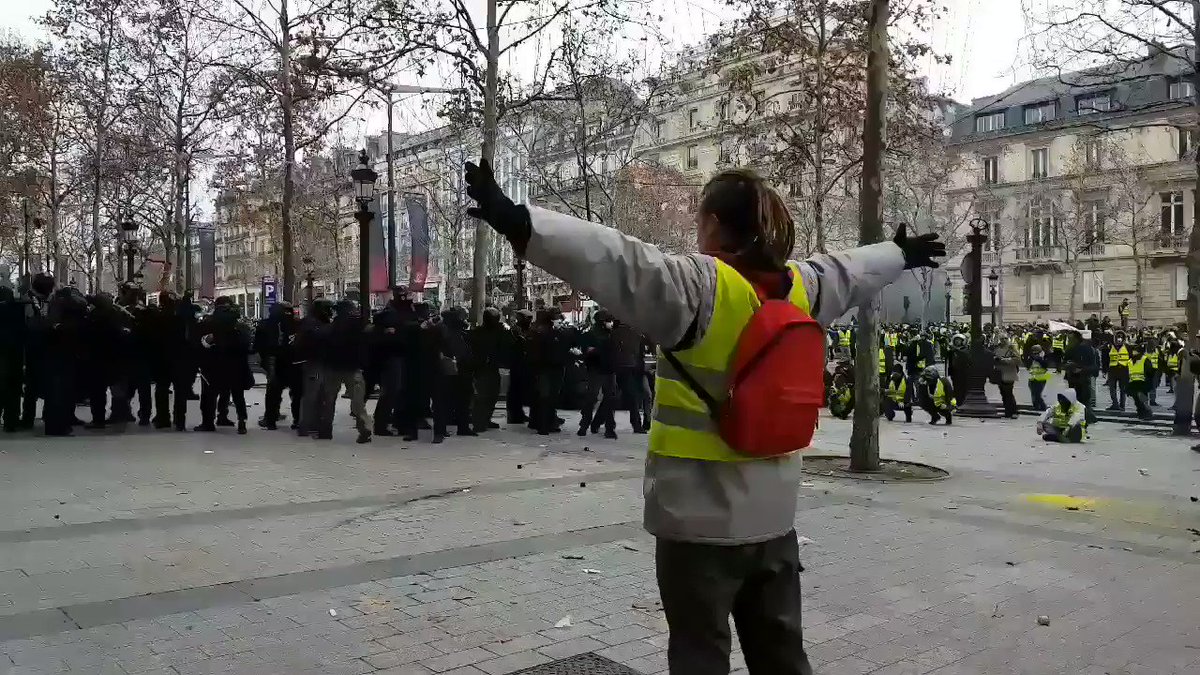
1137,278
288,287
1074,286
1184,390
490,120
864,439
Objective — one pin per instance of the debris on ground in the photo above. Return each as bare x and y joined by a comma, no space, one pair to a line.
1043,620
520,466
627,547
807,484
804,541
519,522
588,570
582,484
208,452
1144,472
571,556
1195,499
1010,563
333,612
564,622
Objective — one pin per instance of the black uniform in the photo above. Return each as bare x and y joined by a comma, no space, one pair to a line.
452,386
63,337
549,351
393,339
520,375
223,351
489,350
12,358
601,379
275,342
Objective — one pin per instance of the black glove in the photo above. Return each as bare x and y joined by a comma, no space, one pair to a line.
495,208
919,251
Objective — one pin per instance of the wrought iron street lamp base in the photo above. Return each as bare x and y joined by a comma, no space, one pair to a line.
975,404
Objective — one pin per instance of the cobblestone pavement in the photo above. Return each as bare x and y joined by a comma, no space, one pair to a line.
200,553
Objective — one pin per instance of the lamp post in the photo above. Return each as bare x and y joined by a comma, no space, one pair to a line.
364,193
308,280
128,238
992,279
948,286
975,402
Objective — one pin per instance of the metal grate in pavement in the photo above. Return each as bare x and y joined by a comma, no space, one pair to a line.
582,664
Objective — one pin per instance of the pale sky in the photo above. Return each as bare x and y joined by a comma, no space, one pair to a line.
982,36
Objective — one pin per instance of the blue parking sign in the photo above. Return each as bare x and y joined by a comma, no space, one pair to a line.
270,294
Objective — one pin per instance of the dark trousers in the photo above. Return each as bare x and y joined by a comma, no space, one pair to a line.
388,407
183,378
210,391
98,389
36,380
890,408
61,393
549,386
451,403
936,413
277,380
1036,388
759,584
1071,435
140,385
10,391
1140,393
604,386
1084,394
1010,401
1116,390
414,399
629,385
487,393
520,390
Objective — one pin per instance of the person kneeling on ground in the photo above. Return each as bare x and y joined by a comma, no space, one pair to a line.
935,395
896,395
1065,422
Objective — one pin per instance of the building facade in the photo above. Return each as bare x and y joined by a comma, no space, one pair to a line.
1085,185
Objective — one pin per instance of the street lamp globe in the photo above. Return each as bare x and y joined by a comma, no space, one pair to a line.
992,278
364,179
128,229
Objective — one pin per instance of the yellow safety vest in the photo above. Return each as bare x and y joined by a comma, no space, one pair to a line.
682,426
897,392
1057,343
1155,358
892,340
1060,418
1137,370
843,338
882,362
1118,357
940,397
1037,373
1173,361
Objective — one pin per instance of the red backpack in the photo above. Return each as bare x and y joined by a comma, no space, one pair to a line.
776,382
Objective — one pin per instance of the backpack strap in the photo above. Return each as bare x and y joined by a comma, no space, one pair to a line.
714,408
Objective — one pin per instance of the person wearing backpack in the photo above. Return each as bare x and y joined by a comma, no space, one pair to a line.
723,518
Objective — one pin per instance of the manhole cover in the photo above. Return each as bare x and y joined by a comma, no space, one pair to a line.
583,664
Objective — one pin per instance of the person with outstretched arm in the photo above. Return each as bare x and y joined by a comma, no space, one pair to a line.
724,529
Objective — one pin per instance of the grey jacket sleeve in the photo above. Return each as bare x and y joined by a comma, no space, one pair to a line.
661,294
657,293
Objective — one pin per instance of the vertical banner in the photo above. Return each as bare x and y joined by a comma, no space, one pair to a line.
378,243
418,227
208,263
270,294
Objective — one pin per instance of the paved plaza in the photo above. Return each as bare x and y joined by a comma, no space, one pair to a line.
188,554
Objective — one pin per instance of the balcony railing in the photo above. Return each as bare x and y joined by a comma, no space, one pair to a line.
1040,253
1177,242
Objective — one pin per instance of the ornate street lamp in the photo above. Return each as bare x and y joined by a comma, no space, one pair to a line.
975,402
308,280
949,285
129,238
993,278
364,193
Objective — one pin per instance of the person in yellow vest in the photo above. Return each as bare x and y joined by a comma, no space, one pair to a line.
1117,368
1039,375
895,394
1065,421
1157,359
723,522
935,395
1174,358
1058,346
1141,375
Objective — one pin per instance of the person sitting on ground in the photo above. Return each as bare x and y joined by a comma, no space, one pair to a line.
896,395
1064,422
935,395
841,396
